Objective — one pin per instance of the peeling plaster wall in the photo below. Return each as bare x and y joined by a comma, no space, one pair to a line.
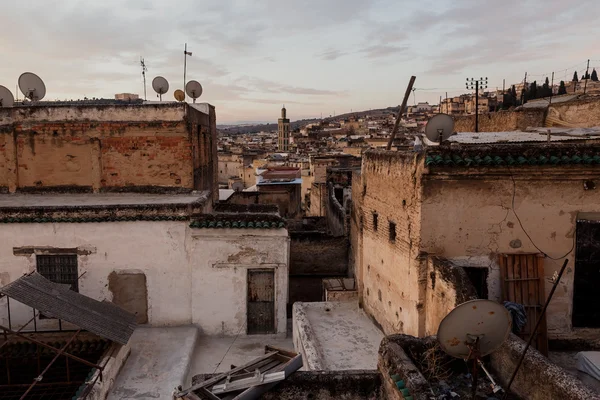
501,121
470,216
192,276
221,258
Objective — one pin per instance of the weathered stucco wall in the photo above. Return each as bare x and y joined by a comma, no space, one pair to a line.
221,259
447,287
583,113
283,199
229,165
94,148
500,121
192,275
471,216
392,271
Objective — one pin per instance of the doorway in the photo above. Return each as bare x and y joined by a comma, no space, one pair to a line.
586,296
261,302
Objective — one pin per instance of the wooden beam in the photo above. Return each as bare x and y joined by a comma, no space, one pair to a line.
401,111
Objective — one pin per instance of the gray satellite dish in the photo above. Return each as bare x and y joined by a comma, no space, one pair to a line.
439,128
160,86
32,86
473,330
193,89
6,97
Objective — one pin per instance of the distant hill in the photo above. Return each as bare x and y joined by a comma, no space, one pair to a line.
241,129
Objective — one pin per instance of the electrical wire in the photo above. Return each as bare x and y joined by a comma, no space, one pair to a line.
523,228
229,348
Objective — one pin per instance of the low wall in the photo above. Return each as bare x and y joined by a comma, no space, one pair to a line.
337,217
538,378
113,360
316,253
323,385
501,121
304,340
280,198
448,286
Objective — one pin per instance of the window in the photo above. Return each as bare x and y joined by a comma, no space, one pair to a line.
59,269
392,232
375,216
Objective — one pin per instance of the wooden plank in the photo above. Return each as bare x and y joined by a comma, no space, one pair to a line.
517,275
529,299
510,275
503,277
543,329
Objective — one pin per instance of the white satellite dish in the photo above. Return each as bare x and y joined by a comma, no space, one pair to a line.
32,86
6,97
193,89
160,86
439,128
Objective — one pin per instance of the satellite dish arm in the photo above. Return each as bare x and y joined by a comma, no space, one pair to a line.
401,111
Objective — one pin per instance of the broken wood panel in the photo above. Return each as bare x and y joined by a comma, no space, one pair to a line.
522,278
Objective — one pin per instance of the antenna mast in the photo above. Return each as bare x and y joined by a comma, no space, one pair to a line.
144,69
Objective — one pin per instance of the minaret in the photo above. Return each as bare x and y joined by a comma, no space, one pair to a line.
283,128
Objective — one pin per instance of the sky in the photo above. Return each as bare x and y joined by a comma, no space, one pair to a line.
318,57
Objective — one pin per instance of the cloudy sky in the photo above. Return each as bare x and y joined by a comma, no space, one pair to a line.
316,56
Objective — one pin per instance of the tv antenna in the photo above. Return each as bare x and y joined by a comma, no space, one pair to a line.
439,128
160,86
193,89
473,330
6,97
179,95
32,86
144,69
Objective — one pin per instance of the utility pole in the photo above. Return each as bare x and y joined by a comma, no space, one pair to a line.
523,90
185,54
144,69
475,84
552,88
446,102
587,70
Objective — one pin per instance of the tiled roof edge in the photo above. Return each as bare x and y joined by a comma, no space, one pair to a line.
491,160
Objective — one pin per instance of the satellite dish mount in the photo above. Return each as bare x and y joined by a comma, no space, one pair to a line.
193,89
439,128
160,86
473,330
32,86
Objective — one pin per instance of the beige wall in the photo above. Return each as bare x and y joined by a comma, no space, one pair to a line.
391,272
193,276
104,147
472,218
229,165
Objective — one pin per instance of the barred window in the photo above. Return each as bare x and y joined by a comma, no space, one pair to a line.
59,269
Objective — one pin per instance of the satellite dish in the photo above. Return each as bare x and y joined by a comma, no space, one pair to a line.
483,321
439,128
160,86
6,97
193,89
473,330
32,86
179,95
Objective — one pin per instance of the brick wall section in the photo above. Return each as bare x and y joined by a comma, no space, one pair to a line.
316,253
64,148
147,161
501,121
392,272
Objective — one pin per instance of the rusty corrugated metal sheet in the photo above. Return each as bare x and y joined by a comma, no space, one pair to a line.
55,300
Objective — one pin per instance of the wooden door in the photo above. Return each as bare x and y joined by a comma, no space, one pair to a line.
586,313
261,302
522,278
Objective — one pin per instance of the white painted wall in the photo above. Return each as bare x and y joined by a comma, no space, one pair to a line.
193,275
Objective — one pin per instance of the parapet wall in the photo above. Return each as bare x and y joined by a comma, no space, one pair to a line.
501,121
93,148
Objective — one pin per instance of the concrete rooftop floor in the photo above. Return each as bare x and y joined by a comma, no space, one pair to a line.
164,358
345,335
